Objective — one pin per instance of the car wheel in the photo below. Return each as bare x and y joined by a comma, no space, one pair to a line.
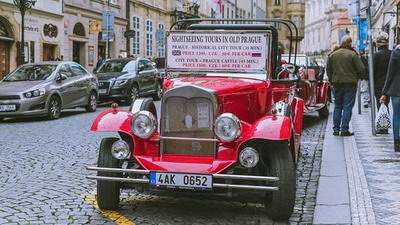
324,112
159,92
133,94
92,102
279,204
107,191
54,108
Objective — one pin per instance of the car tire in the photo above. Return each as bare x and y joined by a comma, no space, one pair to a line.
92,102
324,112
159,92
108,192
54,108
133,94
279,204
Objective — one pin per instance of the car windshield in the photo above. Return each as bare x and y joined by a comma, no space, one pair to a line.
31,73
112,66
300,60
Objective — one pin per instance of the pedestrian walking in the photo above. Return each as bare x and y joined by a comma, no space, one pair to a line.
391,89
381,63
344,69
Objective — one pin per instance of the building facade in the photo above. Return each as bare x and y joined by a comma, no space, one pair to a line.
326,22
43,33
83,40
287,9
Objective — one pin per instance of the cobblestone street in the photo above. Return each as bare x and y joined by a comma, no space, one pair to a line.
43,177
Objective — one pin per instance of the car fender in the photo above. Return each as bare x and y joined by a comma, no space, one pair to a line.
273,128
54,92
112,120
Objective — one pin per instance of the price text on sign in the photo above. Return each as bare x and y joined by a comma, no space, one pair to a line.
217,51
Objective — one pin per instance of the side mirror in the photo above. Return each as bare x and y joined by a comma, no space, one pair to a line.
61,77
141,67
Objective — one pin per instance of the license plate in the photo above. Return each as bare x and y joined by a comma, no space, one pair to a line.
181,180
8,108
102,91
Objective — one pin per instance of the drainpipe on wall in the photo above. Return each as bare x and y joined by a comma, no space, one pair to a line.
128,27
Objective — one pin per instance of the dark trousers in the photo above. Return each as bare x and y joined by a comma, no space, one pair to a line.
396,117
344,103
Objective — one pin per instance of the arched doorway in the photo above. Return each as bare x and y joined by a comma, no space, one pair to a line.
78,48
6,40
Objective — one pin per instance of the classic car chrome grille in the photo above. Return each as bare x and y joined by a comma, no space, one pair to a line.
187,122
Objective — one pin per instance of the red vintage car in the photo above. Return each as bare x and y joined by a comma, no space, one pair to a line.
230,125
313,87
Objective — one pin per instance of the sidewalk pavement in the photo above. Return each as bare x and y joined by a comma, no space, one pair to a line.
360,177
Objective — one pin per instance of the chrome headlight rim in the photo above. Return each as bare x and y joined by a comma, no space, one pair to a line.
255,154
122,145
153,124
237,123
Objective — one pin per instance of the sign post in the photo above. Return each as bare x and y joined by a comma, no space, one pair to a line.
108,29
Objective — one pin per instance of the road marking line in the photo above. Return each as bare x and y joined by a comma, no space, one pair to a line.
115,216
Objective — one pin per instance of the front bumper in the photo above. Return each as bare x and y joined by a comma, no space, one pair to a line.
26,107
226,177
108,91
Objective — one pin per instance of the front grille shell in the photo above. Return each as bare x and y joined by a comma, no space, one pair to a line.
188,114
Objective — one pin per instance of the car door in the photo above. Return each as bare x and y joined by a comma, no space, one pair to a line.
66,86
82,84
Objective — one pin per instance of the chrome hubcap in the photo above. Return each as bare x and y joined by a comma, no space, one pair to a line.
93,102
134,93
54,109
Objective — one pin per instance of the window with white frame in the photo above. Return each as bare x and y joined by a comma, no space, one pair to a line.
136,38
160,40
149,38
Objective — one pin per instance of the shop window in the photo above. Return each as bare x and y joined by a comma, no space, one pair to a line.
149,38
277,2
79,30
136,38
3,30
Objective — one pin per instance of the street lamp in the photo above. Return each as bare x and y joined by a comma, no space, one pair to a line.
23,6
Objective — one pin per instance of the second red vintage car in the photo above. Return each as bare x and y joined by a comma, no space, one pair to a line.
228,126
313,87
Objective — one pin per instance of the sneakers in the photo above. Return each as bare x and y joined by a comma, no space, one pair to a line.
346,133
336,133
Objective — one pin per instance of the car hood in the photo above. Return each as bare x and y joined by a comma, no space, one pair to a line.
18,87
108,76
219,85
244,97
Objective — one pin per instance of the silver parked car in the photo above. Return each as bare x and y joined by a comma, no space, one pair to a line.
44,89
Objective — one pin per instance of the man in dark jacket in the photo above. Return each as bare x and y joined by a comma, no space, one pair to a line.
344,69
381,64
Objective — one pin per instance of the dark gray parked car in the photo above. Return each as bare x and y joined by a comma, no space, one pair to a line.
44,89
128,78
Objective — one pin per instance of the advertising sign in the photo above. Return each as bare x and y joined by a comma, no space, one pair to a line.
213,51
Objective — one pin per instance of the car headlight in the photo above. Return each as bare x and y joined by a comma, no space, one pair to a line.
35,93
249,157
227,127
120,150
143,124
120,82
